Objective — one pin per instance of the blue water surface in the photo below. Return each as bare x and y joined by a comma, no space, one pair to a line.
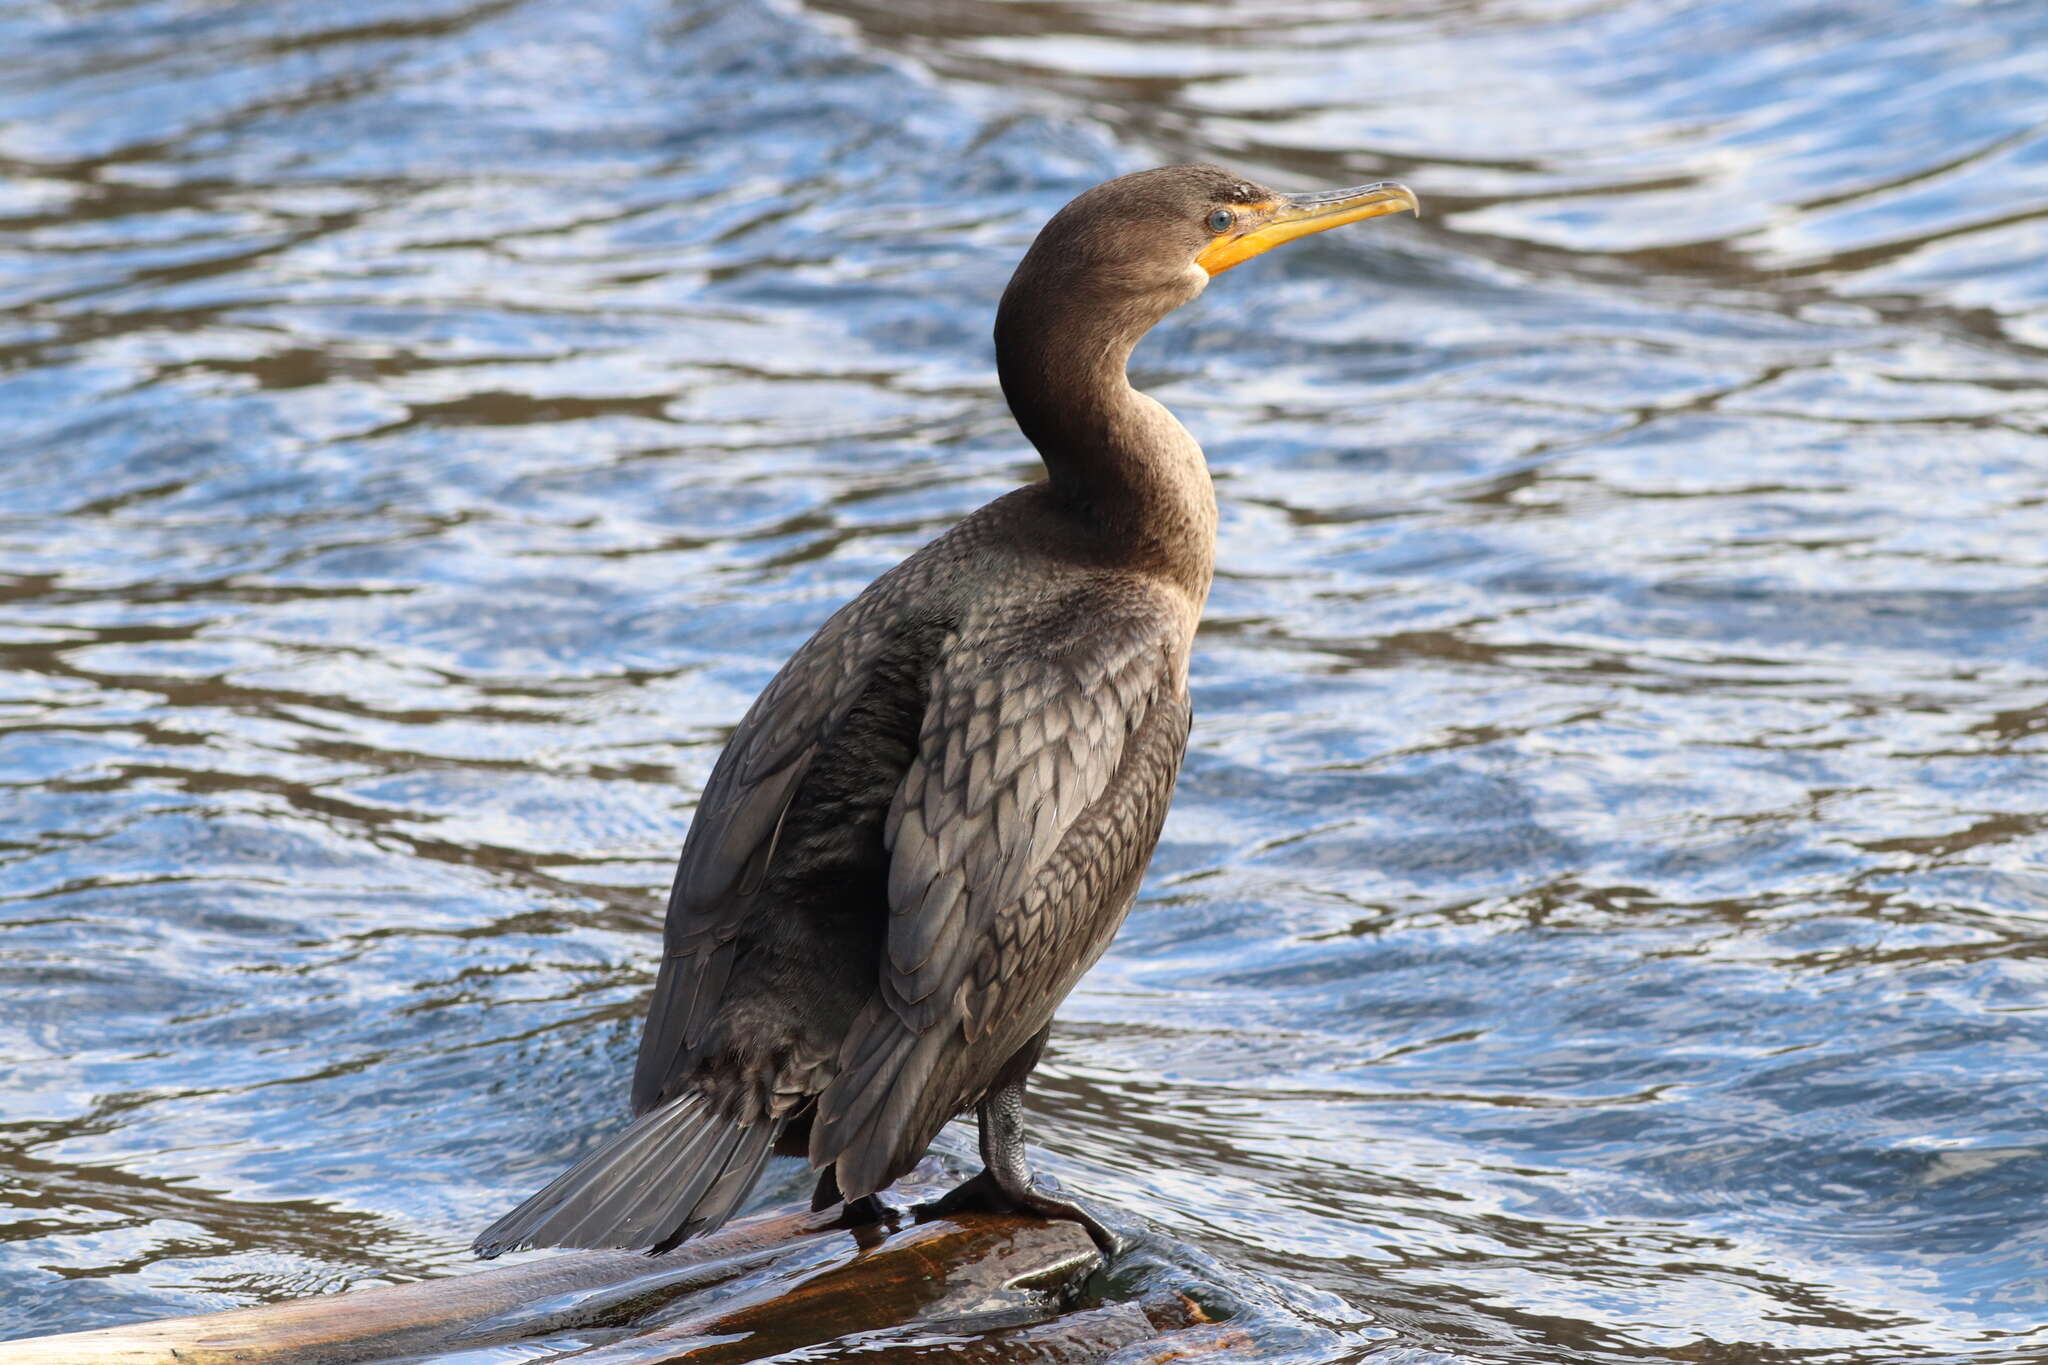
1601,919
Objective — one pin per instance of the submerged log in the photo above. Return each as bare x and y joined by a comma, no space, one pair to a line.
1164,1330
789,1280
981,1268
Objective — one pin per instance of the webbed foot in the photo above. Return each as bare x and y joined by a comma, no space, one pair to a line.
984,1193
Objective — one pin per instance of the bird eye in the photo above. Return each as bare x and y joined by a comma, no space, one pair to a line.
1221,220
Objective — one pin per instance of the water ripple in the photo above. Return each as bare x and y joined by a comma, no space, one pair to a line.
1600,920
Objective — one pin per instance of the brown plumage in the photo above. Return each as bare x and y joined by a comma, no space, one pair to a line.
933,820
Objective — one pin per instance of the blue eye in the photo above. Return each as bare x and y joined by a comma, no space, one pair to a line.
1222,220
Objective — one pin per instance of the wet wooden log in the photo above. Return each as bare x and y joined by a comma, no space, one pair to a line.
980,1268
792,1279
549,1293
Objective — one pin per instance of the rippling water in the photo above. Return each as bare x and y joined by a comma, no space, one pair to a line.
1601,916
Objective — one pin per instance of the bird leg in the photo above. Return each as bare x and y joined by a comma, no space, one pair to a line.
1006,1184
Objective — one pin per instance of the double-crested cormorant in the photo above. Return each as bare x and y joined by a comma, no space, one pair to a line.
932,821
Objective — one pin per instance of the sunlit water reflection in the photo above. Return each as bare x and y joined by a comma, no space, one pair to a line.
1600,916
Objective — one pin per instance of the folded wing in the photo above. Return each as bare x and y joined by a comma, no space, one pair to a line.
732,838
1023,823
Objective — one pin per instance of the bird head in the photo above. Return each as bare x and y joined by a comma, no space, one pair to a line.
1137,247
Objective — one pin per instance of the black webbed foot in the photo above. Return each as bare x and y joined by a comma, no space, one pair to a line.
1006,1184
984,1193
978,1194
865,1210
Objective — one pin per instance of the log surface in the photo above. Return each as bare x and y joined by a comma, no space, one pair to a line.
792,1279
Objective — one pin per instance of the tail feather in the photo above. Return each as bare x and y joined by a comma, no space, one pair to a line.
676,1171
724,1194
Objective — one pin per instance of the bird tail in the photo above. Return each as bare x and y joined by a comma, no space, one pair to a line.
678,1170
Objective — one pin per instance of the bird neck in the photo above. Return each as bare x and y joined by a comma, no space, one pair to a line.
1117,458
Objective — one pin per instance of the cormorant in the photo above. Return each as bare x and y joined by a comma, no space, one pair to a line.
934,818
